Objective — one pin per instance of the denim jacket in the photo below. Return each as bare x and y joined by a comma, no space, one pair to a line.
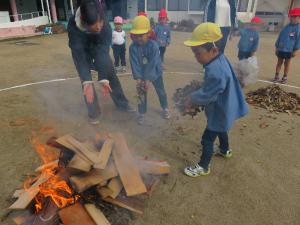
145,61
289,38
221,95
210,12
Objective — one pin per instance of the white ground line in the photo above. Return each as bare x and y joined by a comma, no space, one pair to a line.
121,75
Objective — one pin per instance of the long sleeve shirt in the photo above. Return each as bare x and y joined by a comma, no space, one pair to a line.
145,61
249,40
83,43
221,95
289,38
163,35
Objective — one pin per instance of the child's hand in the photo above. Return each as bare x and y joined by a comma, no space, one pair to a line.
294,53
187,103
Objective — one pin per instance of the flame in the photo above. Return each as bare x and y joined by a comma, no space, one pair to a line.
58,190
46,153
55,187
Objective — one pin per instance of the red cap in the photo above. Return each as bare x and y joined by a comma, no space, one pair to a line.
163,13
142,14
294,12
256,19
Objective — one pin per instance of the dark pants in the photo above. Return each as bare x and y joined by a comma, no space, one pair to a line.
244,55
225,31
119,54
162,51
103,64
161,93
207,142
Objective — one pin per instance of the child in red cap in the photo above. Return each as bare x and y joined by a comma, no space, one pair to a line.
163,33
249,40
287,44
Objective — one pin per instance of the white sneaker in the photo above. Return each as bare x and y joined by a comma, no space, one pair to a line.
166,114
141,119
196,171
218,151
94,121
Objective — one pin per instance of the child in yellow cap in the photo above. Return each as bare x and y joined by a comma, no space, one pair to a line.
146,66
221,95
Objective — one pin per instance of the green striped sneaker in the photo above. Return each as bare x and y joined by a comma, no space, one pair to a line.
196,171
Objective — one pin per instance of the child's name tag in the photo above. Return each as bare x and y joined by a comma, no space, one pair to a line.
292,34
145,60
165,33
251,39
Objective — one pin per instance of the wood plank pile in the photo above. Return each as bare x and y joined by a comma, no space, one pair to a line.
274,99
180,96
101,175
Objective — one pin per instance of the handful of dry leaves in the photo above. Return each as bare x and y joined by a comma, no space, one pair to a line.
274,99
180,96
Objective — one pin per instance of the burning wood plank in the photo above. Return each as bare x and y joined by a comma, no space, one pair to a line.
48,215
129,172
94,177
26,197
96,214
63,141
75,215
49,165
131,204
104,154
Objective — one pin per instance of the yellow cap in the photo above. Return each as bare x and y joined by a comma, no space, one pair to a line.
204,33
140,25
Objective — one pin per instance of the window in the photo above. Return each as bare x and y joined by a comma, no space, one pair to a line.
197,5
178,5
243,6
156,5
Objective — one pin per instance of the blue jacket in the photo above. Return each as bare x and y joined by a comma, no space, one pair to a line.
249,40
145,61
210,12
221,94
163,35
289,38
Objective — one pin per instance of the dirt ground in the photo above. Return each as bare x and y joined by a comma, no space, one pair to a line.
260,185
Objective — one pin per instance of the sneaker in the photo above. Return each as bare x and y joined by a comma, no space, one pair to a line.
276,78
123,69
196,171
284,79
141,119
94,121
130,109
118,69
227,154
166,114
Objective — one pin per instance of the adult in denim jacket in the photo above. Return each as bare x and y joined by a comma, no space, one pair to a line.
223,13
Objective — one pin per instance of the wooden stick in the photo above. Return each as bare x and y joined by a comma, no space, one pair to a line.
64,141
127,203
104,192
153,167
95,176
78,163
96,214
125,163
104,154
75,215
26,197
115,185
49,165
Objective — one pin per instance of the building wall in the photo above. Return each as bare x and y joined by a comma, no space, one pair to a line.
177,16
26,6
273,12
